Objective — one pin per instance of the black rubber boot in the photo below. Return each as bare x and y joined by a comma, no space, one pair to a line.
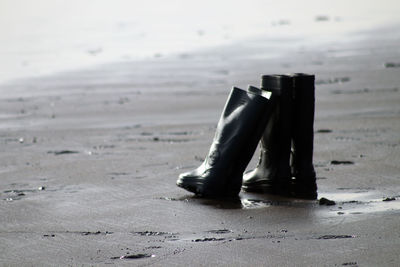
239,129
273,173
304,183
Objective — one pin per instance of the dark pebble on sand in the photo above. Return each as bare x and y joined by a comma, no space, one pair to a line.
350,264
392,65
220,231
91,233
324,131
389,199
49,235
151,233
326,202
208,239
136,256
342,162
62,152
333,80
336,236
96,233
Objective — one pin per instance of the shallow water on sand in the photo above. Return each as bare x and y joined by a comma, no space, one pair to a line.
342,203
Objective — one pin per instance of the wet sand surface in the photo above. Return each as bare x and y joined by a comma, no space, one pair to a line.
89,161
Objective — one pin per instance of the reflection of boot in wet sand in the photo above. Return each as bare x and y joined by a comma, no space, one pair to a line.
239,129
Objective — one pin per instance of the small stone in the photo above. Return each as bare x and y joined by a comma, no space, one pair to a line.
326,202
342,162
389,199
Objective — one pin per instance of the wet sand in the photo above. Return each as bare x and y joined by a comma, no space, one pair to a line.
89,161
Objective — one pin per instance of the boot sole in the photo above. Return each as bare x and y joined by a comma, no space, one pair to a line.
265,189
193,187
292,191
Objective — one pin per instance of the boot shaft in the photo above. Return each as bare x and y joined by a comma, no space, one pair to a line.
239,129
276,139
278,84
240,120
303,126
290,128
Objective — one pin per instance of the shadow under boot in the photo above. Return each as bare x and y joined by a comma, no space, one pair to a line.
239,129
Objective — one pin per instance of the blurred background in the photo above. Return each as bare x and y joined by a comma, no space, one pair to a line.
45,36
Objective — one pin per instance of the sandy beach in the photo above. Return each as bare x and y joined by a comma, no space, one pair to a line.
89,160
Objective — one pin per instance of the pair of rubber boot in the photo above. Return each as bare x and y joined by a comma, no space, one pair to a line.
285,165
281,114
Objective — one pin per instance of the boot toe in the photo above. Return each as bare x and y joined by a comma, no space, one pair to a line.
190,182
204,187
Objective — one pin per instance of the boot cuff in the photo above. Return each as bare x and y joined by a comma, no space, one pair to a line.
303,79
258,91
277,83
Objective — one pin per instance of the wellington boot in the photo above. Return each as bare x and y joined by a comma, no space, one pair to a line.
304,183
273,173
239,129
